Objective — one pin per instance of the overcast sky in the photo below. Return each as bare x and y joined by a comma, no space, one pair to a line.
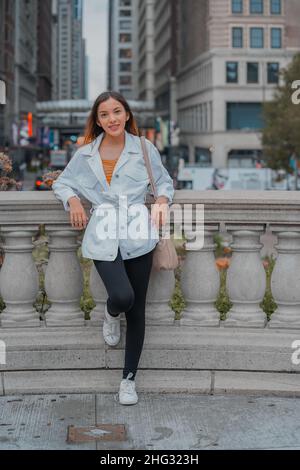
95,30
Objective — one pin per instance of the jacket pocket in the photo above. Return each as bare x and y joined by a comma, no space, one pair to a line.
138,174
88,181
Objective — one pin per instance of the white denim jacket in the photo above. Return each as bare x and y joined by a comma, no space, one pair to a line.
114,205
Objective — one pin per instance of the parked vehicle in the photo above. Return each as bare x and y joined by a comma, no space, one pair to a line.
191,176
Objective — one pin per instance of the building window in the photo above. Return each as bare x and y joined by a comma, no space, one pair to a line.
252,72
125,24
244,116
203,157
126,80
125,67
125,37
125,12
125,3
275,7
276,41
125,53
257,38
245,159
256,7
237,6
126,93
237,37
232,72
273,72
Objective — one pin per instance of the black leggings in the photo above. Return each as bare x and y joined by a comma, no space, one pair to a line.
126,282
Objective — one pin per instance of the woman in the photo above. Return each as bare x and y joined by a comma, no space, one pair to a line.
109,170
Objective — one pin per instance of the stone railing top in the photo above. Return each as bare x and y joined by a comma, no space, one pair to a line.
244,197
245,207
248,207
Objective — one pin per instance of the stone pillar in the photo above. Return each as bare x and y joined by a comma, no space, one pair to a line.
159,293
246,280
285,282
200,280
19,280
160,290
63,278
99,294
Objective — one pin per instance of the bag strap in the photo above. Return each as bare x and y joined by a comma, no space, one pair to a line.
148,166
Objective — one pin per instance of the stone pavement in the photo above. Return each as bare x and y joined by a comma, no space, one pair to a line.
158,422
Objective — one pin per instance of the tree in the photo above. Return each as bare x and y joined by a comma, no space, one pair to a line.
281,135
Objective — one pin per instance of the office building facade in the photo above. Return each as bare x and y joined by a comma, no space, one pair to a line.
70,52
44,50
230,54
122,30
7,69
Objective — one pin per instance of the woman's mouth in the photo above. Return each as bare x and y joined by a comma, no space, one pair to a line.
114,128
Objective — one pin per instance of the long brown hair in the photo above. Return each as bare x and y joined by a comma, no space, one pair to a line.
92,129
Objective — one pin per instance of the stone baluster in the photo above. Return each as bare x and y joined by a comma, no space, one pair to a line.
160,289
19,280
200,279
99,294
63,278
246,279
285,281
159,293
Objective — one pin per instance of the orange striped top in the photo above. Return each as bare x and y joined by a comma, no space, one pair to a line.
108,167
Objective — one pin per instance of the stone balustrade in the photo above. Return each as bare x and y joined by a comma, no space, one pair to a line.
245,216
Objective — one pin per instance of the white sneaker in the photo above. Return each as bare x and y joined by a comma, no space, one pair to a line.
111,328
127,393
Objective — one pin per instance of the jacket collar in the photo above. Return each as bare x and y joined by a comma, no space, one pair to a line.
94,160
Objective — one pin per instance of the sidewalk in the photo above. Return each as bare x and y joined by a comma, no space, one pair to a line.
158,421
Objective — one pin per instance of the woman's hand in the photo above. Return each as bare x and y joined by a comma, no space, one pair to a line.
159,211
78,216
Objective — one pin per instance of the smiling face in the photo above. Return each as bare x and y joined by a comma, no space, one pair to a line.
112,117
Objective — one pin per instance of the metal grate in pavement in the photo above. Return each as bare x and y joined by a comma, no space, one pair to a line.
101,432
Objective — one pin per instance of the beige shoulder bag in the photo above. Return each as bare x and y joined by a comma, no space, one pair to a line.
164,256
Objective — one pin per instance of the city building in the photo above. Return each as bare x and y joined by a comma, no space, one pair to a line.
7,71
70,50
230,54
85,77
122,23
145,53
44,50
166,29
166,57
78,52
54,50
25,71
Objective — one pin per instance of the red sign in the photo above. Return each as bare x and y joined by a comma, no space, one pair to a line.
29,120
